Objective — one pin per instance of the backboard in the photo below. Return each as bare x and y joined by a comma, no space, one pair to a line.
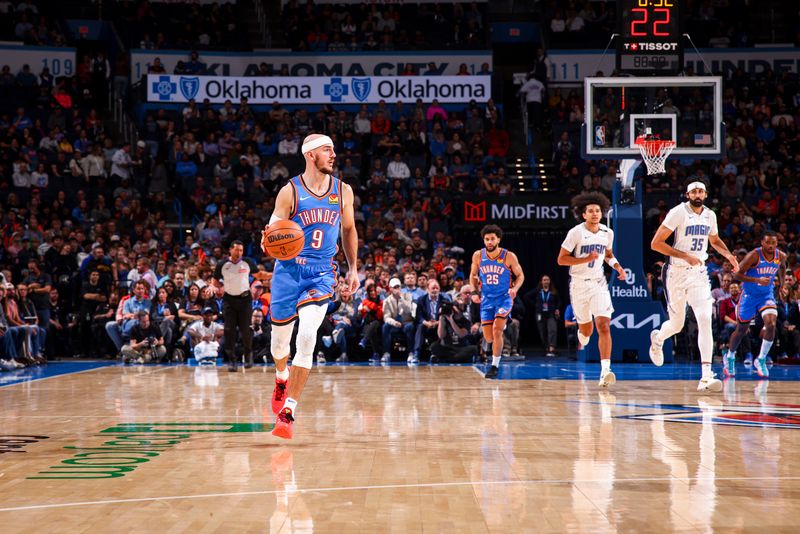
687,110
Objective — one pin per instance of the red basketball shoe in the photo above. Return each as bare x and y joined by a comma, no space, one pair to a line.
283,424
279,394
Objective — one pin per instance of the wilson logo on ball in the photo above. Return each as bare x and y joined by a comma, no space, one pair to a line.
279,237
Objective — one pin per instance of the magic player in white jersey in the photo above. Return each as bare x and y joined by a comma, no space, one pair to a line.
584,250
685,277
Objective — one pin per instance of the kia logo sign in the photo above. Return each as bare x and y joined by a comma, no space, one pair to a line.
627,321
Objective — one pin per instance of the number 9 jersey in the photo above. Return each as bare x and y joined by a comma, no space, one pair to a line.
690,231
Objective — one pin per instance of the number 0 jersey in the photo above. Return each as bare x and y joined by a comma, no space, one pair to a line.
319,217
580,242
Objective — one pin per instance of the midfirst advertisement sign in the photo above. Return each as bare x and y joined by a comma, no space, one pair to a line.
518,212
336,90
315,64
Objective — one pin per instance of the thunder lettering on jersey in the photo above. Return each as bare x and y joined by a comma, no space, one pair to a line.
763,269
319,216
494,274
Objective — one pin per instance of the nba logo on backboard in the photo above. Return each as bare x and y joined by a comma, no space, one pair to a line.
599,135
474,212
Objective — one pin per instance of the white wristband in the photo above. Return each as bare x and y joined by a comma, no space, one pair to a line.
612,262
273,219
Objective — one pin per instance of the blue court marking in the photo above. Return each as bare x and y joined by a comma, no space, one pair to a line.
51,370
557,369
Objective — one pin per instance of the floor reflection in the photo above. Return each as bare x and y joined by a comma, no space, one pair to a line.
594,468
291,515
693,492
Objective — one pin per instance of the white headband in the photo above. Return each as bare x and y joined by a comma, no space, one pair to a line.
322,140
695,185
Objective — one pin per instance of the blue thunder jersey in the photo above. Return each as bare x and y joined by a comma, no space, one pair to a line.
764,268
319,217
494,274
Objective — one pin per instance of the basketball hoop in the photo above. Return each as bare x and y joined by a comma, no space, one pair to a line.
655,152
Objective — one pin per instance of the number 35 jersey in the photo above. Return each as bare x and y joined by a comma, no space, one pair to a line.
691,231
580,242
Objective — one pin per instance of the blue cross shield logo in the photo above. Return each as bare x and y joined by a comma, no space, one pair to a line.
361,88
336,90
190,87
164,88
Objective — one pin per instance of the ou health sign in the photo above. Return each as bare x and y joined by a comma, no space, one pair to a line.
316,90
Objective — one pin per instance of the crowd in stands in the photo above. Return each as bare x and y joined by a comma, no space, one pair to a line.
24,21
367,26
180,25
94,215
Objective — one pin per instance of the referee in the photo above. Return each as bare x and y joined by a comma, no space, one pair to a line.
237,305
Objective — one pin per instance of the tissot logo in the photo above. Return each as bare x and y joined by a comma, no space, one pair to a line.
474,212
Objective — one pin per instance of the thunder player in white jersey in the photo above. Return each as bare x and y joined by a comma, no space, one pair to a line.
584,250
685,277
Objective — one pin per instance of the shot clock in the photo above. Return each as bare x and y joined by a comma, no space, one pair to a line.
649,41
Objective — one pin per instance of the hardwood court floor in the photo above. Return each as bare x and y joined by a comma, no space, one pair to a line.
395,449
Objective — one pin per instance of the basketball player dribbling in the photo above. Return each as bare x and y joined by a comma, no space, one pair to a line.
492,268
685,277
584,250
301,287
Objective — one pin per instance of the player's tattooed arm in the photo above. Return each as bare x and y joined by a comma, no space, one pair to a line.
749,261
519,275
659,244
474,279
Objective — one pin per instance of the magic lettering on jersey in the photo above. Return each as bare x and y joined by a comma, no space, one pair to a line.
319,216
698,229
588,249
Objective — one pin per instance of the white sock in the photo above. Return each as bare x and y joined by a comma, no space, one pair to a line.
291,404
605,365
707,371
765,346
282,375
583,340
496,361
731,354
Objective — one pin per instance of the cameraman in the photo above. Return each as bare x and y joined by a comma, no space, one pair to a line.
146,344
455,343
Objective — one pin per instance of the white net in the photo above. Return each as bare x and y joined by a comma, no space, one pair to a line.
655,153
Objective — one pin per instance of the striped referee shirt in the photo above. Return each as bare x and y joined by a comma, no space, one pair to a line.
235,276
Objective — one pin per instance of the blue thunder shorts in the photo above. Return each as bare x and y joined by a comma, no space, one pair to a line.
495,308
750,305
295,285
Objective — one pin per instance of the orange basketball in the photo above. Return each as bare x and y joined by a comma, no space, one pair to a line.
283,239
